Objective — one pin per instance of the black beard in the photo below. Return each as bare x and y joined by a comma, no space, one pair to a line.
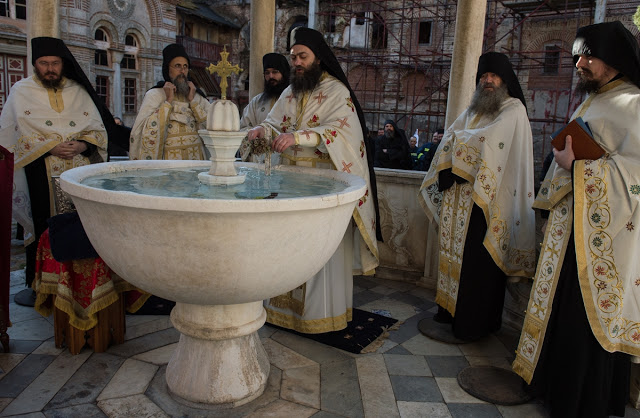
307,81
388,133
487,102
271,91
50,84
182,86
586,86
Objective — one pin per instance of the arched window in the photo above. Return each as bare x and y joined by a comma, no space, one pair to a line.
102,44
131,49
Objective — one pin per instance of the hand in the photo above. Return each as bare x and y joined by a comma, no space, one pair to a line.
169,90
565,157
255,132
192,91
282,142
68,150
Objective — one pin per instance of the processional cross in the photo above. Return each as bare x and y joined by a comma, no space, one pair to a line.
223,69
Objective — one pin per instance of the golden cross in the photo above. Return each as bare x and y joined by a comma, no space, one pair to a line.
224,69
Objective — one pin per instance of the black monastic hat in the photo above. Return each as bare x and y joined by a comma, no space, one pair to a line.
612,43
497,63
277,61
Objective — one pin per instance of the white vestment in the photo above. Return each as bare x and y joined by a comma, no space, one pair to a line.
328,135
34,120
253,115
169,131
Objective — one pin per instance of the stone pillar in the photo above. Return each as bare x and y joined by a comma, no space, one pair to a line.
43,19
116,57
313,9
263,16
601,11
467,48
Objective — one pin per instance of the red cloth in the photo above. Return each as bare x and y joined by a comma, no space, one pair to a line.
82,287
6,192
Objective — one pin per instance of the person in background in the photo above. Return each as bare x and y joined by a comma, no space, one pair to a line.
392,148
431,148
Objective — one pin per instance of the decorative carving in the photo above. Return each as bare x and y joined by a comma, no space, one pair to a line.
122,8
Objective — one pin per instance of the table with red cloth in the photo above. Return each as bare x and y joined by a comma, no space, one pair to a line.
81,287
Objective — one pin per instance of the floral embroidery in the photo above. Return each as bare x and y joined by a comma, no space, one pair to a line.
363,199
26,112
591,188
601,285
481,139
588,172
501,145
544,191
597,242
605,304
517,223
637,282
499,169
634,189
154,123
313,122
85,113
361,149
596,218
330,135
48,123
636,336
600,271
72,123
286,123
630,226
446,148
529,194
350,104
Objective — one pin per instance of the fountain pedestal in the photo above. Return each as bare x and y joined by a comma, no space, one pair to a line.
219,359
223,146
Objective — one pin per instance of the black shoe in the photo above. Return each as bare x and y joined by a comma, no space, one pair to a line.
26,297
443,316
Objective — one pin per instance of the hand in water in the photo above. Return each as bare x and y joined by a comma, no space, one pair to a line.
255,132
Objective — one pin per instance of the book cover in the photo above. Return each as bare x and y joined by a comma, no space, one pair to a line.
584,146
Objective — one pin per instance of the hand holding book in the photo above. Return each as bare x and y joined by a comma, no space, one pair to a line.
584,145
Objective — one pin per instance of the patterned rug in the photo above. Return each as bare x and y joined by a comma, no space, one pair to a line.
364,334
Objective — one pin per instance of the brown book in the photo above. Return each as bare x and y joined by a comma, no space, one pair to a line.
583,144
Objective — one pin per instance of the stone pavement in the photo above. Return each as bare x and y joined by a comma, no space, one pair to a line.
409,376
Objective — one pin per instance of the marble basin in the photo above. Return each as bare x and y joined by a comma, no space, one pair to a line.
218,259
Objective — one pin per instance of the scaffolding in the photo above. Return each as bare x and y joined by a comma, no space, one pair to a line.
397,56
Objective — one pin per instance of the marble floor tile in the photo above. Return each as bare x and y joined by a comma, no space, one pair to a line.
266,331
409,328
490,346
398,349
364,282
282,408
4,402
47,384
446,366
31,415
84,410
159,323
399,285
423,410
21,376
466,410
310,349
386,346
364,298
132,378
37,329
285,358
383,290
131,406
145,343
8,361
408,298
339,389
398,310
489,361
136,320
453,393
159,356
18,313
49,347
416,389
301,385
23,346
375,387
424,293
88,381
529,410
403,365
424,346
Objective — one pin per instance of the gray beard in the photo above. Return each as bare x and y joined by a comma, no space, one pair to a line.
486,102
182,86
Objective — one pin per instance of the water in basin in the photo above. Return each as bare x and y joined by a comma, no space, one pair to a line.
184,183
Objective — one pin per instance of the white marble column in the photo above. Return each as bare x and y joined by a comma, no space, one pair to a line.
467,48
263,17
601,11
313,9
43,19
116,57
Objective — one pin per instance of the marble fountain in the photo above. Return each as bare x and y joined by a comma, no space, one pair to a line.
218,255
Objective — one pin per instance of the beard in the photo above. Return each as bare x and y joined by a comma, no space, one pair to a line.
586,85
388,133
307,80
486,102
48,83
274,90
182,86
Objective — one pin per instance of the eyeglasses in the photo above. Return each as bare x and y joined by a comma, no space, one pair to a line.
181,67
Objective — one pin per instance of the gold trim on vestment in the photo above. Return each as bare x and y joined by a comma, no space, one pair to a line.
293,300
309,326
